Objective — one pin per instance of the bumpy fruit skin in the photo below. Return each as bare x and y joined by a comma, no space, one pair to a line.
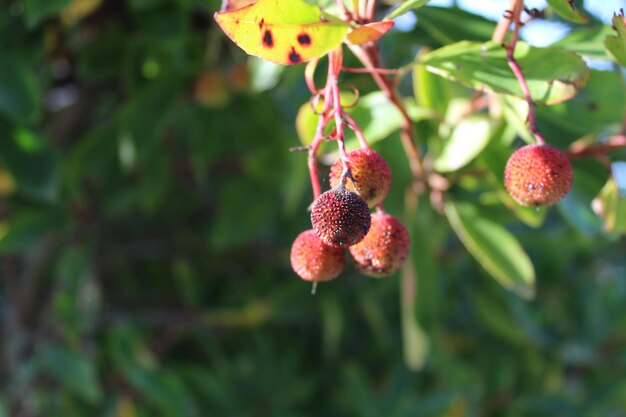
538,175
371,173
384,249
340,217
312,260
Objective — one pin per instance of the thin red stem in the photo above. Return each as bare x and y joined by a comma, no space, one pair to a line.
385,71
370,58
356,129
614,143
516,12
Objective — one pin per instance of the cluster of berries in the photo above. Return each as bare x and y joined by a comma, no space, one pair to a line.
535,175
341,218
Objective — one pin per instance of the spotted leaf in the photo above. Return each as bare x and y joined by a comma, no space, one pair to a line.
285,32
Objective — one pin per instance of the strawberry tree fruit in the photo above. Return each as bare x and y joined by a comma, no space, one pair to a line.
315,261
340,217
538,175
384,249
371,175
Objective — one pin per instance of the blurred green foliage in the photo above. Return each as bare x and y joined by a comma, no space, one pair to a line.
149,200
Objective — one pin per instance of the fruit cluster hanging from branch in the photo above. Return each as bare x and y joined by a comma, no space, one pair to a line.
538,174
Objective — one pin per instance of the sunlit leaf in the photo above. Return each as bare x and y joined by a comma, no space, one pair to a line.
616,45
285,32
415,341
553,75
442,24
587,41
568,11
467,140
494,247
33,164
610,205
599,107
405,7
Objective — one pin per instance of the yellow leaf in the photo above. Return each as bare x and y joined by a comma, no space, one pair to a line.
78,9
369,32
285,32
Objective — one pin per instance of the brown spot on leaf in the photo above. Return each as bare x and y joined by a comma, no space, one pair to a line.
268,40
304,39
261,23
294,57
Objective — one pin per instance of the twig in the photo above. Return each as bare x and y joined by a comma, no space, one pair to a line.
370,59
515,16
614,143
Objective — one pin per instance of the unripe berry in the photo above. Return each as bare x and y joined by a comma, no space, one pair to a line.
538,175
384,249
371,173
312,260
340,217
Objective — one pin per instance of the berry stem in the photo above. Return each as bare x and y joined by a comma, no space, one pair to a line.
513,16
356,129
370,58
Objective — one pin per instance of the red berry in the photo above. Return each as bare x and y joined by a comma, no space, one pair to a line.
340,217
371,173
538,175
312,260
384,249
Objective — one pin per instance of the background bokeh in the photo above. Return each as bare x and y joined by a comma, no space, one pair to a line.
148,201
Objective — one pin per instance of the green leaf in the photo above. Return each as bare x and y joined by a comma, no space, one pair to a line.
515,112
20,96
431,91
28,227
32,163
586,41
576,210
377,117
599,107
3,409
73,370
442,24
495,248
415,341
164,389
616,45
553,75
144,117
38,10
611,206
468,139
568,11
406,7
